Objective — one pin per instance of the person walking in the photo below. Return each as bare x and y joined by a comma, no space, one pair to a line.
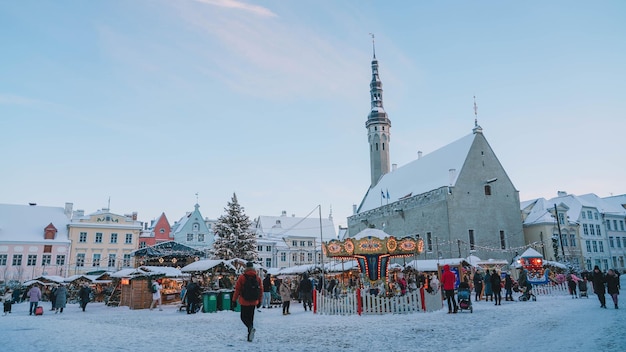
267,292
52,295
34,296
60,299
7,300
478,286
285,295
248,300
306,292
156,295
496,287
85,295
448,279
612,285
598,281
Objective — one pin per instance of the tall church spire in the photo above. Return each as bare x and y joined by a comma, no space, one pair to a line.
378,126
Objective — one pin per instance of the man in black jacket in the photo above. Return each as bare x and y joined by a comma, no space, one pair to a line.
598,285
306,292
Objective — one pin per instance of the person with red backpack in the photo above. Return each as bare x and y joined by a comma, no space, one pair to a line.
249,293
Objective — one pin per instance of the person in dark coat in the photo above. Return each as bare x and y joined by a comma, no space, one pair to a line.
248,307
508,287
85,295
61,299
612,285
478,286
488,289
598,281
306,292
267,291
496,287
193,297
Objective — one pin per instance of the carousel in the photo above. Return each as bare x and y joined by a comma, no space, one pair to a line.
373,249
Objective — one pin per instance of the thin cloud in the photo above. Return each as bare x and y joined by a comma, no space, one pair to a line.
10,99
233,4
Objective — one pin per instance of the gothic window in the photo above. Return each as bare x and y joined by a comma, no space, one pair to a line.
502,240
429,241
471,239
487,190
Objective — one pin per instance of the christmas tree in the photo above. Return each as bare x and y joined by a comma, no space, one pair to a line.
233,236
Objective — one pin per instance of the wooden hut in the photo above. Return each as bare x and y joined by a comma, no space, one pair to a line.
132,287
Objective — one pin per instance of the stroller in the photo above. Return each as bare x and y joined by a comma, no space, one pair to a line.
465,300
582,288
526,294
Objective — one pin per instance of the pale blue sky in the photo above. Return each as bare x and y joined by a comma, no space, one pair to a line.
269,99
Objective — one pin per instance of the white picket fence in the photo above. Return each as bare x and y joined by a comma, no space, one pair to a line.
551,289
348,303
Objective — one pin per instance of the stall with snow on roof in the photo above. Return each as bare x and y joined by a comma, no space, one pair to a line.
132,287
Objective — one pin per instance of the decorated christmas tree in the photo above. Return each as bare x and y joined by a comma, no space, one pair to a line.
233,236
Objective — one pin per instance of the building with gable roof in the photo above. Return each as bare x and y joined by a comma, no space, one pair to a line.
458,199
194,231
34,241
590,230
102,241
158,232
285,241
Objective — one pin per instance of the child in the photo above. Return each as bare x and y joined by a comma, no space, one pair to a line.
7,298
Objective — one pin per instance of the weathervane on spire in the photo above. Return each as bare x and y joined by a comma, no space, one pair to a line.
475,113
373,46
196,197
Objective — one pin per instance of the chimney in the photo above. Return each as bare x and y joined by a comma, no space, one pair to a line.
419,154
394,167
284,213
353,209
561,193
452,176
68,210
134,216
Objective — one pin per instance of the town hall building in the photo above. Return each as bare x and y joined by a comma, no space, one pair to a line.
458,199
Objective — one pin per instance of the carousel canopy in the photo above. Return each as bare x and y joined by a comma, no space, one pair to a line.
373,242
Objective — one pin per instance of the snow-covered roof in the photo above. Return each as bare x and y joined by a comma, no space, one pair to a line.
149,271
202,265
338,267
369,232
427,173
431,264
539,210
291,226
26,223
531,253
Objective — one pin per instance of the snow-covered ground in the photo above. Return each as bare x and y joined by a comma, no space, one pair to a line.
552,323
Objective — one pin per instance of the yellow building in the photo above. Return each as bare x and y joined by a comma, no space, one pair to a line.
102,241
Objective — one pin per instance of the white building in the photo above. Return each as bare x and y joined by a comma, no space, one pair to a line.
591,230
285,241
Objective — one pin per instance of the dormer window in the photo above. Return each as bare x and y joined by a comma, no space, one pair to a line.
50,232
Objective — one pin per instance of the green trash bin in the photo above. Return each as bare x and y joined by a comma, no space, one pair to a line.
209,302
224,301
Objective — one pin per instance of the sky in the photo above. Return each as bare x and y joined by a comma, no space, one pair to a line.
554,323
154,105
